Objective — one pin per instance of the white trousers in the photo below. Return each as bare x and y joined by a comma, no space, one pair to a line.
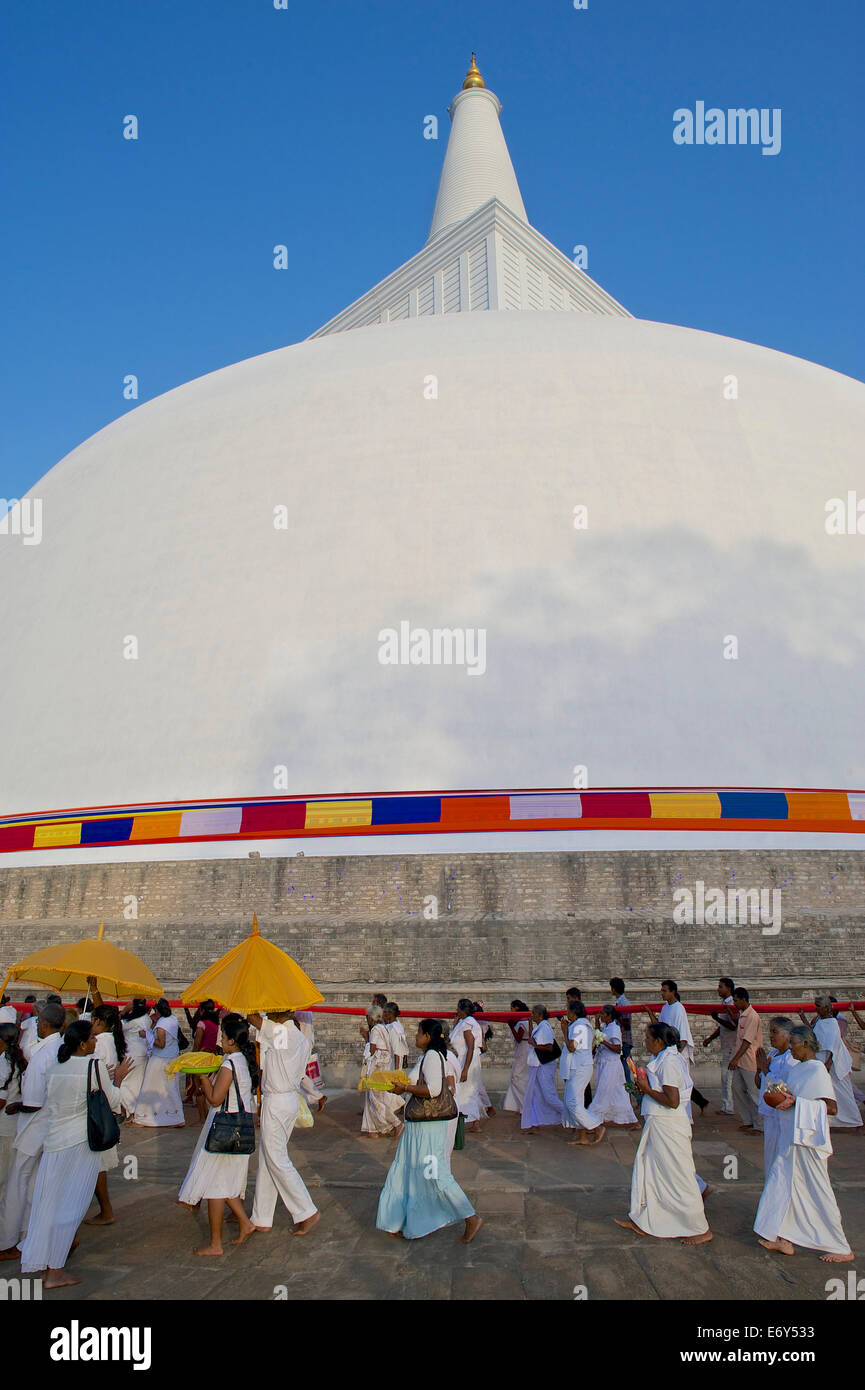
727,1082
277,1175
18,1198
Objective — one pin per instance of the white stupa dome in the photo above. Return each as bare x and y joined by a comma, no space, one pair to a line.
424,461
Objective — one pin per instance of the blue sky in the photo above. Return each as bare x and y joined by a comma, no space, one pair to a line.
304,127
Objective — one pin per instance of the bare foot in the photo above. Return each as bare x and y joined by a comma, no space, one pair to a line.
601,1131
244,1233
58,1279
396,1235
208,1250
698,1240
13,1253
746,1129
474,1127
837,1259
629,1225
303,1228
782,1245
490,1111
187,1206
322,1102
473,1225
583,1142
263,1230
101,1219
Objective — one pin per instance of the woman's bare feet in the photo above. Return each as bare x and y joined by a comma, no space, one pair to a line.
210,1249
102,1218
473,1225
58,1279
600,1132
629,1225
699,1240
782,1245
836,1259
244,1233
303,1228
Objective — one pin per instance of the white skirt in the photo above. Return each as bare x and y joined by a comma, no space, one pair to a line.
665,1197
611,1103
6,1142
159,1101
798,1203
848,1116
519,1079
213,1175
64,1190
132,1082
467,1093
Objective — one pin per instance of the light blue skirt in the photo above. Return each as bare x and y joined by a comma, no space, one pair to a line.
420,1194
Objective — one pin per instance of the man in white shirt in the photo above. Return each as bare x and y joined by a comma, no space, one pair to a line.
727,1022
674,1013
284,1056
18,1198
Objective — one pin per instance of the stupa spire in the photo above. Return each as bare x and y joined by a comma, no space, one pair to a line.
477,165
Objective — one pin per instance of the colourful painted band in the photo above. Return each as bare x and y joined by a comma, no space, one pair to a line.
830,812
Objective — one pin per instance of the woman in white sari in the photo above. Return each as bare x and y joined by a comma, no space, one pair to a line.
665,1196
611,1104
579,1036
541,1105
379,1118
159,1101
467,1039
520,1030
773,1066
68,1168
798,1206
139,1041
839,1062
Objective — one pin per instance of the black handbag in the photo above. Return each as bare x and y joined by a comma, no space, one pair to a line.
550,1056
440,1107
232,1132
103,1131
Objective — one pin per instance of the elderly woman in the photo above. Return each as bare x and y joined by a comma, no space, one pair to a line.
835,1055
798,1206
665,1194
541,1104
68,1168
771,1067
379,1118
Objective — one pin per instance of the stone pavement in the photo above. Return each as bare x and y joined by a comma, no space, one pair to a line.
548,1212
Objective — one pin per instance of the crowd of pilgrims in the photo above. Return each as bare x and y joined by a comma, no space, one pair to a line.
52,1057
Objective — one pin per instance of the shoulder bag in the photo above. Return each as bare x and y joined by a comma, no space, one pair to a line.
103,1131
231,1132
440,1107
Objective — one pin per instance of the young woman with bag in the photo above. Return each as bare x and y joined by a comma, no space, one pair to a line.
69,1165
420,1194
218,1170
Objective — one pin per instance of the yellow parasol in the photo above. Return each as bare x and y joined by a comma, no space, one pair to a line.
118,973
255,976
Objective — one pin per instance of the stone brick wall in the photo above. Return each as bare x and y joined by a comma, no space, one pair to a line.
506,924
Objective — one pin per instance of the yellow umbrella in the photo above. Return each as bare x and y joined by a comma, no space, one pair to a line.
255,976
118,973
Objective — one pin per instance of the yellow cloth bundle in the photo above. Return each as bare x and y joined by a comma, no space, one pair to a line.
194,1062
304,1114
382,1080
